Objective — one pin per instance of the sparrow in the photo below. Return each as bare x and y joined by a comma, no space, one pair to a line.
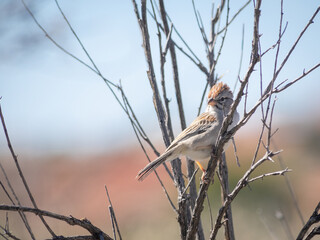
198,140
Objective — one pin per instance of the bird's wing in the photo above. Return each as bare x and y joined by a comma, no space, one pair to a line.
198,126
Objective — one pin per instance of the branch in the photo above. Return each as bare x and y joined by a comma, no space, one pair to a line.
305,73
241,184
84,223
226,122
293,47
74,238
315,231
234,17
289,185
224,183
176,164
278,173
113,217
22,215
7,233
15,158
315,218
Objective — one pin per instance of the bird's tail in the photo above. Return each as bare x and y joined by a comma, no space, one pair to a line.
167,156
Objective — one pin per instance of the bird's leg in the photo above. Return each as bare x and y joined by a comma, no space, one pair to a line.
203,172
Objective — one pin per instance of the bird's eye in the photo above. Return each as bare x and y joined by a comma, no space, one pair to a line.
222,99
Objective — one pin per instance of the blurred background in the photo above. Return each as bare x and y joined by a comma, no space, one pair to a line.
72,138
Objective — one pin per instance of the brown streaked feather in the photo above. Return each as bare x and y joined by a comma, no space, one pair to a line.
153,165
216,89
200,124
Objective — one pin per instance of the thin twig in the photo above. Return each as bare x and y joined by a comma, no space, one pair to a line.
22,215
241,58
314,231
241,184
203,34
289,185
226,122
294,46
188,185
266,224
202,97
315,218
285,224
210,213
235,151
83,223
113,216
277,173
224,183
15,158
234,17
78,39
222,42
194,59
162,73
53,41
7,233
184,214
146,154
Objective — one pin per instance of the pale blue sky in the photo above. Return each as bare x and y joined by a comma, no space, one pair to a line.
53,104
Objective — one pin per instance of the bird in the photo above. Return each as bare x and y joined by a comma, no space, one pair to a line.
198,140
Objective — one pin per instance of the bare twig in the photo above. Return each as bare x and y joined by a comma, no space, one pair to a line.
315,218
162,73
183,213
53,41
15,158
293,47
241,184
284,223
84,223
202,97
224,182
226,122
277,173
241,58
22,215
314,231
78,39
234,17
7,233
235,151
176,164
75,238
213,61
266,224
305,73
203,34
289,185
135,129
210,213
113,217
194,57
190,164
188,185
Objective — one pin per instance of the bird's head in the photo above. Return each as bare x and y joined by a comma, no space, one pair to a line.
220,97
